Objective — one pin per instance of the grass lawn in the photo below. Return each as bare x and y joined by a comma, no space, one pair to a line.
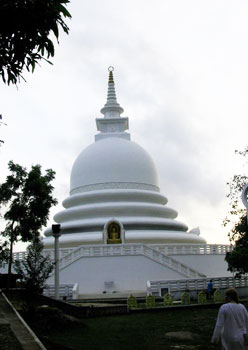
146,331
137,331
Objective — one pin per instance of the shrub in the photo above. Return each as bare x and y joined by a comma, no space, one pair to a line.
202,298
168,300
150,301
132,302
185,298
218,298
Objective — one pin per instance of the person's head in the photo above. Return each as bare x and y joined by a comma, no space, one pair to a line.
231,295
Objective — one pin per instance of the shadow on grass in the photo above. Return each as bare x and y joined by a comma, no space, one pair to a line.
137,331
8,340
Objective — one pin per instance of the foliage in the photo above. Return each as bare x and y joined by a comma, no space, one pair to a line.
202,298
168,300
236,186
27,197
25,27
237,258
1,123
4,251
150,301
218,297
185,298
35,269
132,302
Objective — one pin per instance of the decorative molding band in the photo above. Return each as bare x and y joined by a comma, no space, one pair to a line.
115,185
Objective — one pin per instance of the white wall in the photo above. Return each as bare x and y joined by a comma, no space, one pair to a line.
129,273
211,265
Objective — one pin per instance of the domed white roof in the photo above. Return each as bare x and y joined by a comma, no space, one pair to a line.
113,160
115,179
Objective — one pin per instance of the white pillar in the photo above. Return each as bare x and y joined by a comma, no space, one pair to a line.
56,235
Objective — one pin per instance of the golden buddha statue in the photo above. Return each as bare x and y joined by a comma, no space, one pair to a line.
113,234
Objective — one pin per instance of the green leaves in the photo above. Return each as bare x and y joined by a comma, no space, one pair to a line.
4,251
35,269
25,27
237,259
28,197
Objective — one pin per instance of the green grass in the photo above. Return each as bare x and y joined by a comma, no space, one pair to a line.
138,331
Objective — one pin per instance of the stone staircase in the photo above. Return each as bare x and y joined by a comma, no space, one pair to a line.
129,250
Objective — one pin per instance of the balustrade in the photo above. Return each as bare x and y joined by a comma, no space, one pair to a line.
161,253
182,249
154,287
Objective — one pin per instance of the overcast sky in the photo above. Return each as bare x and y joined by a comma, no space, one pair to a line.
181,75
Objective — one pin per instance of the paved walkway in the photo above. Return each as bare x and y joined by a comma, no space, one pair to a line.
23,333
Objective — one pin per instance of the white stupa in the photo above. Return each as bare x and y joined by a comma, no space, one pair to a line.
117,232
114,180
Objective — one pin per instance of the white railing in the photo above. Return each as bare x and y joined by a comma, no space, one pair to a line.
23,255
50,252
167,249
161,253
129,249
171,262
16,256
156,287
62,252
66,291
19,255
182,249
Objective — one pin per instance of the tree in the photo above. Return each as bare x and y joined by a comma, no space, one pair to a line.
4,251
25,28
1,123
27,199
35,269
237,258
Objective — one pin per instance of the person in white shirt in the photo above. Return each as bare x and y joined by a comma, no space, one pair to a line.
232,323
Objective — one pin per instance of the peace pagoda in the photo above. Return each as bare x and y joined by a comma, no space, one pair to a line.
114,191
117,231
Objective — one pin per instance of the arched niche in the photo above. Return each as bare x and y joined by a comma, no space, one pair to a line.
113,232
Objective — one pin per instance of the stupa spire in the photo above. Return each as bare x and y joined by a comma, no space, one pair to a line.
111,109
111,76
112,125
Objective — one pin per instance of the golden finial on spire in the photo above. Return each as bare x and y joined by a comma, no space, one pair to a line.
111,78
